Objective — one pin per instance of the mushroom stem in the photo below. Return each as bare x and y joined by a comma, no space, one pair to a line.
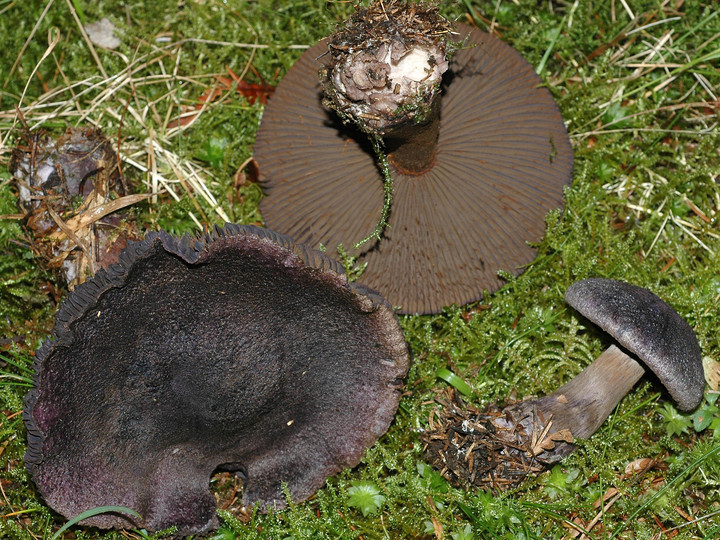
578,408
386,67
412,145
587,400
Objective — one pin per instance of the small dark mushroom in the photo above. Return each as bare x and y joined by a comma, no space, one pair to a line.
527,435
240,350
478,155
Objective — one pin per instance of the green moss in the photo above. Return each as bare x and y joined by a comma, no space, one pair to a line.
644,207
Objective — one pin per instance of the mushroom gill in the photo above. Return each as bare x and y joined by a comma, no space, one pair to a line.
501,161
237,350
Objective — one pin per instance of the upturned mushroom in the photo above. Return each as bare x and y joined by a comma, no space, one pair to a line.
528,435
239,350
476,148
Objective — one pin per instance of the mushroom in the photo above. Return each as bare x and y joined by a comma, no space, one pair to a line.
69,192
239,350
476,160
528,435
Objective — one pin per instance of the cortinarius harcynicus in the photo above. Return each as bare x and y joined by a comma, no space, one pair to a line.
478,154
239,350
533,433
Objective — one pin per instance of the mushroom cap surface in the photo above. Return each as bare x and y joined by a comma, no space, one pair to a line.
503,159
647,327
236,350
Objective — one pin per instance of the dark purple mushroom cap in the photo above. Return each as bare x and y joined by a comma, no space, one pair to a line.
239,350
647,327
503,158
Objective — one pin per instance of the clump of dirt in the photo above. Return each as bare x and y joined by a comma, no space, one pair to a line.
70,190
381,22
491,449
386,65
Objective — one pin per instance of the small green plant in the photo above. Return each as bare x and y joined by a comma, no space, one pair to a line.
495,517
434,480
224,533
465,534
213,151
675,423
366,497
350,264
706,416
561,481
94,512
453,380
616,116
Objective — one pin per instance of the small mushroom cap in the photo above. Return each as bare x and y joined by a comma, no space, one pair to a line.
239,350
647,327
503,158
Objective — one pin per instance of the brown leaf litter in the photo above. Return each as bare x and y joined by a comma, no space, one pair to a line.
70,191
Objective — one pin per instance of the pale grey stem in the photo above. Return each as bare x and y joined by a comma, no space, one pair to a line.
578,408
585,402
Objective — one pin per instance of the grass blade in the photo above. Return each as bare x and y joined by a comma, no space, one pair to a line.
660,492
454,381
94,512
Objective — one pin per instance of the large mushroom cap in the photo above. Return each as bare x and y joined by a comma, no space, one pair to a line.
503,158
238,350
647,327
